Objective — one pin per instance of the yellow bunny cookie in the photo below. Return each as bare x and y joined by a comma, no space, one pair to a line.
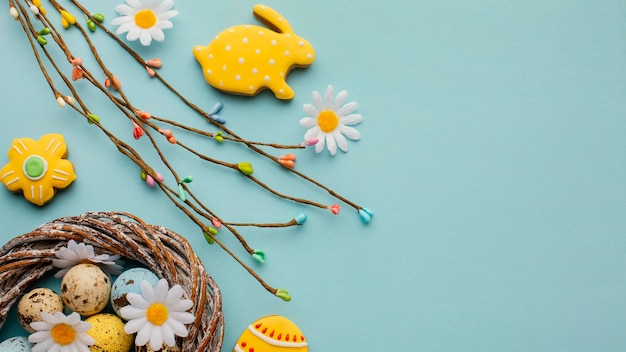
246,59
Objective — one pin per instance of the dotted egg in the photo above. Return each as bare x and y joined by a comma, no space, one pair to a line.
16,344
85,289
34,302
274,333
108,332
129,281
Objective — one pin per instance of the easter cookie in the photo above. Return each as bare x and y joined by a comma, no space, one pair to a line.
246,59
34,302
273,333
37,168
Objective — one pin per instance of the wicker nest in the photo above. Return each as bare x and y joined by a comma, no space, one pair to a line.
25,259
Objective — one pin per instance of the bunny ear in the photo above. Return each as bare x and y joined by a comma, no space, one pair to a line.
272,19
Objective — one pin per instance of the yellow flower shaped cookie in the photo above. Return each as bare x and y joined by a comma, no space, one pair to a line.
38,167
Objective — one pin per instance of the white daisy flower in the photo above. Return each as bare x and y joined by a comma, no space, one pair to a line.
157,314
330,121
144,19
60,333
76,253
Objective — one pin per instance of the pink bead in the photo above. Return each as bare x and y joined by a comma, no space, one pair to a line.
149,181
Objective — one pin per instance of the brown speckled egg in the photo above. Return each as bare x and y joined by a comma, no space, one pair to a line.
108,332
85,289
34,302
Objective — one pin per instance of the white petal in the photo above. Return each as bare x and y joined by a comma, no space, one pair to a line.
308,122
174,295
167,15
122,20
180,306
182,317
310,109
320,145
165,5
328,96
145,38
342,143
348,108
86,339
156,340
168,335
73,319
135,325
38,336
144,335
341,98
133,33
147,291
54,348
317,100
178,328
313,132
161,291
157,34
351,119
124,10
331,144
134,3
126,27
43,346
136,300
164,25
350,132
130,312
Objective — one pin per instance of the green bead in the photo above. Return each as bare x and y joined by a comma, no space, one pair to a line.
143,175
245,168
99,17
218,137
283,294
44,31
91,25
41,40
187,179
92,118
208,237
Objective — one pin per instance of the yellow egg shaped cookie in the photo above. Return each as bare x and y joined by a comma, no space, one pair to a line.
246,59
273,333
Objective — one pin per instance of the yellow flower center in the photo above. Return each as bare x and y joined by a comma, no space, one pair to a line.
157,314
327,120
145,18
63,334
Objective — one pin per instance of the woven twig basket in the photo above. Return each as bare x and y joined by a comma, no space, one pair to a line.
25,259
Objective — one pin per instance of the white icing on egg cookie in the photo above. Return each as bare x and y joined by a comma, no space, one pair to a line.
246,59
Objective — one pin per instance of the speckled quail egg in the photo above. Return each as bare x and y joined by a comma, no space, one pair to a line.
85,289
129,281
16,344
34,302
108,332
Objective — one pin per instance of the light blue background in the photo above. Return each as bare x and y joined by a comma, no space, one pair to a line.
493,153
